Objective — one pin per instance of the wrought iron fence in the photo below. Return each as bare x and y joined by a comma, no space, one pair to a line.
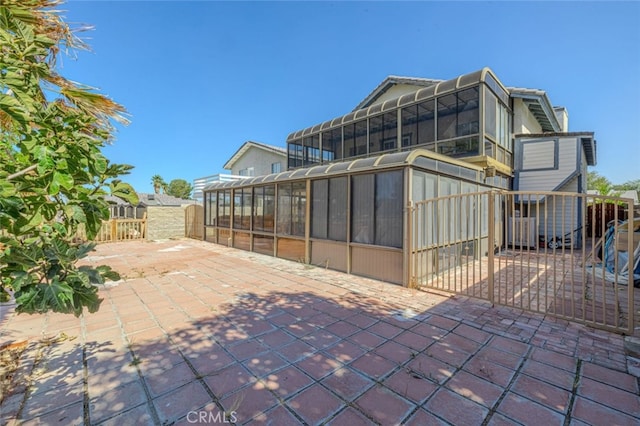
532,251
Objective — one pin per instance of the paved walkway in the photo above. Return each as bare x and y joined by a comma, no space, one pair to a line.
201,334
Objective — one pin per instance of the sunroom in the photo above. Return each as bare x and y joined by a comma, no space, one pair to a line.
350,216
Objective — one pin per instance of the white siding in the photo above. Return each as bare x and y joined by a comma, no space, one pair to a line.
548,180
536,155
558,215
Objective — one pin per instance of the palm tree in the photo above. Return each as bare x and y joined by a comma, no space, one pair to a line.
158,183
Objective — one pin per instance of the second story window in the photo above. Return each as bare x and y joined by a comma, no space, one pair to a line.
276,168
246,172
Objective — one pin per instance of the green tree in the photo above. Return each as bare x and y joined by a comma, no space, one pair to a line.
596,181
179,188
54,177
158,184
629,185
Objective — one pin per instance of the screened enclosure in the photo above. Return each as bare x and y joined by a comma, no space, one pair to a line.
349,216
467,117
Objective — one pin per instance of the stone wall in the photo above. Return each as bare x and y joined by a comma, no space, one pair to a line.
165,222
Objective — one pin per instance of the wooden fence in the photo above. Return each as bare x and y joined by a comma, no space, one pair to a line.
114,230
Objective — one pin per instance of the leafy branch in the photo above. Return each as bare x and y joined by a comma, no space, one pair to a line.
54,177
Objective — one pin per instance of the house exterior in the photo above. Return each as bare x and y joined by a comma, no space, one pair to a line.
120,209
164,216
554,162
351,181
200,183
257,159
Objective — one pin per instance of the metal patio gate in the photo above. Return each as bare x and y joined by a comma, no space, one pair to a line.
530,251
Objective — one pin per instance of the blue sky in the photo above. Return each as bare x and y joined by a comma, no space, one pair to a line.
200,78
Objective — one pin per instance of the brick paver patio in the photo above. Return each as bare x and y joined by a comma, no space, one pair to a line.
201,334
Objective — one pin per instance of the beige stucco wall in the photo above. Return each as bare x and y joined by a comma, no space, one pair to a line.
260,160
396,91
524,121
165,222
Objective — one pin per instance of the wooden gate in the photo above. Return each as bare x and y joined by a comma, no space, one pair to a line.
194,222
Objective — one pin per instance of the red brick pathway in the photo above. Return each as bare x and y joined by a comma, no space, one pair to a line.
197,332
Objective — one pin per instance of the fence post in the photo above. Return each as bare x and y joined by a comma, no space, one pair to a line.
114,230
491,246
408,251
631,262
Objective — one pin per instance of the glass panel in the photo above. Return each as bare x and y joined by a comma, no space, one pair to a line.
284,209
447,117
389,206
464,147
490,114
375,133
211,207
269,206
241,208
258,208
409,126
332,145
246,209
496,88
224,208
446,210
362,209
424,188
504,122
488,148
319,214
390,131
426,124
361,137
311,150
298,207
237,208
294,153
468,112
349,141
338,209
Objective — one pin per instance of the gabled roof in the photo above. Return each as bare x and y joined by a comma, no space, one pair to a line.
536,100
161,200
539,105
391,81
151,200
251,144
